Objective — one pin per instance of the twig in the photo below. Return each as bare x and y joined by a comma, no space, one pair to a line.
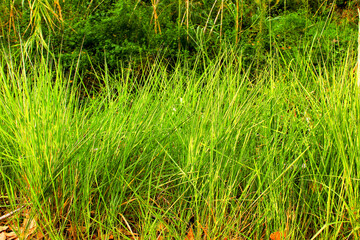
11,213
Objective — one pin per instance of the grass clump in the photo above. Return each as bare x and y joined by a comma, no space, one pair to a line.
217,152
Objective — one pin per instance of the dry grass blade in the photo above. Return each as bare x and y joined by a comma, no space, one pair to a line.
11,213
128,225
190,235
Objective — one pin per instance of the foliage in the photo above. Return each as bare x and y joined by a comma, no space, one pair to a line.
216,152
137,31
169,119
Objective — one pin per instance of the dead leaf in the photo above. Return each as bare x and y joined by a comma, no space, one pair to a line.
75,230
72,231
39,235
127,233
3,228
161,227
28,228
190,235
277,236
11,235
2,236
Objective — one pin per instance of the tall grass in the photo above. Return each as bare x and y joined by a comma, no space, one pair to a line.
218,152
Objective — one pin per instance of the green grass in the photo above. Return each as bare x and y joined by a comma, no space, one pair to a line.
221,152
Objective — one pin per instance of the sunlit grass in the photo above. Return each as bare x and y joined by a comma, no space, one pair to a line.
219,152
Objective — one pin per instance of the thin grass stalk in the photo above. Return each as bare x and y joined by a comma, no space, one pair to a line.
209,17
155,16
215,20
179,25
260,35
358,57
12,17
221,17
187,11
237,22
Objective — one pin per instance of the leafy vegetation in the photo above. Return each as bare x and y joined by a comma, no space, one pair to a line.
138,31
179,120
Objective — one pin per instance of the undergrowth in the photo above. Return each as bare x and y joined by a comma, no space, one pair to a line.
217,151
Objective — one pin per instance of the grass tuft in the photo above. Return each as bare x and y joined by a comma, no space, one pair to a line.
214,153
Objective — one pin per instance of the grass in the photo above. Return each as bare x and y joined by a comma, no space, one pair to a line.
218,152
